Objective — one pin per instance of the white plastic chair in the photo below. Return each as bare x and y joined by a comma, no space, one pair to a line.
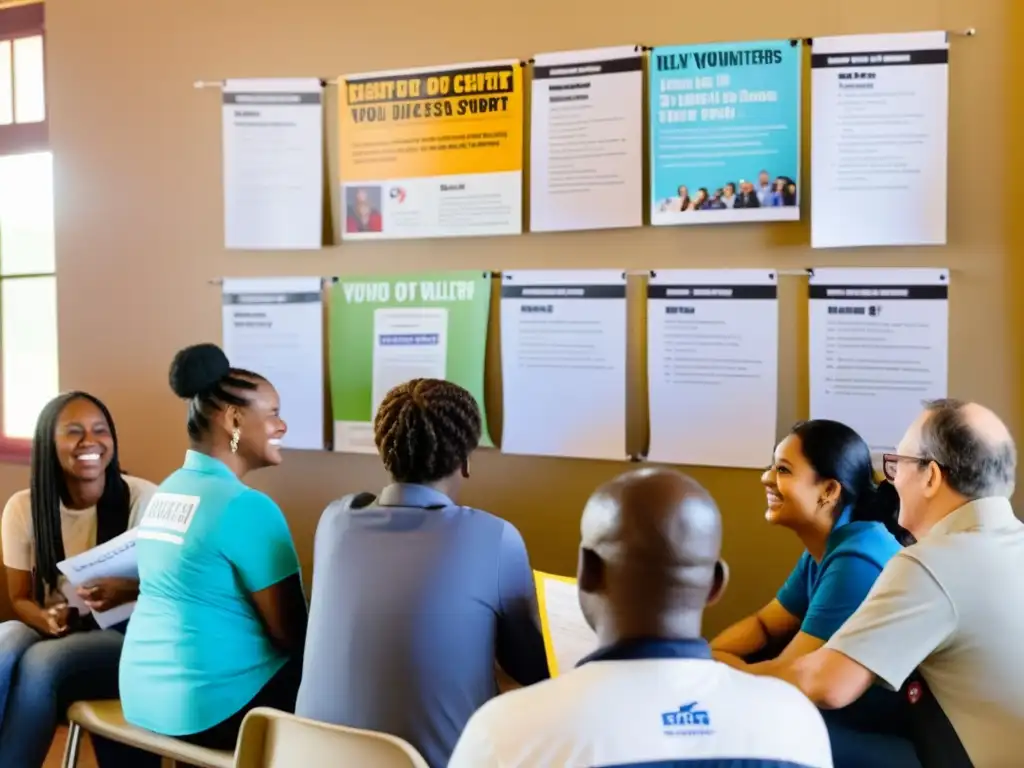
273,739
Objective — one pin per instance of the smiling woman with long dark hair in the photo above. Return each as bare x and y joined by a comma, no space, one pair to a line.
78,498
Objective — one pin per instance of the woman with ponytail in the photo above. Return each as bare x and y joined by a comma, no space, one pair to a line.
821,486
77,498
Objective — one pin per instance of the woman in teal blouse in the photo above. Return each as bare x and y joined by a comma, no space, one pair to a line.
821,486
221,617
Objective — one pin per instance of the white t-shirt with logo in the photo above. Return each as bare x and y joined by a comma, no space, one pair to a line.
77,526
648,712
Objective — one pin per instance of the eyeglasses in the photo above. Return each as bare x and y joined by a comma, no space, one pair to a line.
891,460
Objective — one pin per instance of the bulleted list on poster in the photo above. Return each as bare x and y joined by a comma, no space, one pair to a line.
712,359
586,140
386,330
274,326
433,152
879,140
879,346
725,132
273,163
563,363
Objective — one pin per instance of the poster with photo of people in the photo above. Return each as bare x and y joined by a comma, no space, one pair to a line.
725,132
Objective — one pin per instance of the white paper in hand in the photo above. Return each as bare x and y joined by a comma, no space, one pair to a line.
567,636
116,558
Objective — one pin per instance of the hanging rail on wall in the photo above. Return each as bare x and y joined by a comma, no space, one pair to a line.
219,84
801,272
199,84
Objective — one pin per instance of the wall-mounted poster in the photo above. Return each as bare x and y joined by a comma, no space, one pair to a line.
587,140
879,140
273,164
275,326
725,132
432,152
563,362
386,330
878,347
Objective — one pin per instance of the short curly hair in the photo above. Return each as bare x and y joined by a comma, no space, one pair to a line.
425,430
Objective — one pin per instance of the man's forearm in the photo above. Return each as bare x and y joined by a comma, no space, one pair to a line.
828,678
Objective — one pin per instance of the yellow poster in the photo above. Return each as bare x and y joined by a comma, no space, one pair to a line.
432,152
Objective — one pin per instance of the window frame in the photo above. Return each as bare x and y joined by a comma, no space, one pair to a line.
18,21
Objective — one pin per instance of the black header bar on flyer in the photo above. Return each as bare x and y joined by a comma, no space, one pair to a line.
879,58
589,68
558,292
701,292
879,292
267,99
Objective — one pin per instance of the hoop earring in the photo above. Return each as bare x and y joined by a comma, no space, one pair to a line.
234,439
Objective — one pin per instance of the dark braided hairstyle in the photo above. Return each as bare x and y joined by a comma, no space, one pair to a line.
48,489
425,430
202,375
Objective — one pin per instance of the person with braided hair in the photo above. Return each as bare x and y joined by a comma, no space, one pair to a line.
221,617
77,498
414,596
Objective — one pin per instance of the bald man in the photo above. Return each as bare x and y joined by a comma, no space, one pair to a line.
951,605
648,565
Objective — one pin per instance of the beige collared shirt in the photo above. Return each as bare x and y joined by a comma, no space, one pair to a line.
952,605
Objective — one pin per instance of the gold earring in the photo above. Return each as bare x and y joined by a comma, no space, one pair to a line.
234,439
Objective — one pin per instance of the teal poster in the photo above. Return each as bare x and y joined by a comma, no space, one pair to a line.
725,132
386,330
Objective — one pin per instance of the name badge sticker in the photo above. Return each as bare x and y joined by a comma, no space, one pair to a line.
168,516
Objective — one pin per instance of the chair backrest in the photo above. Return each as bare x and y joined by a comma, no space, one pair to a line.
273,739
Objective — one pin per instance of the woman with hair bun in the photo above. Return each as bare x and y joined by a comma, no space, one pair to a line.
821,485
221,617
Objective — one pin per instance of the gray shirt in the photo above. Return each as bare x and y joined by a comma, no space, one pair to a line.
952,605
414,599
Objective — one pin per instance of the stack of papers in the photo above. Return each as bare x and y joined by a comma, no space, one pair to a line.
113,559
567,636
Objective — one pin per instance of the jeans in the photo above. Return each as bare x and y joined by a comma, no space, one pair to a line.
40,677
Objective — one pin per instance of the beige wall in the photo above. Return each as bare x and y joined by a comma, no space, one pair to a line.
139,219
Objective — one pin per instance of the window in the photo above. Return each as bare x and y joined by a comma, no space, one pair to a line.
28,298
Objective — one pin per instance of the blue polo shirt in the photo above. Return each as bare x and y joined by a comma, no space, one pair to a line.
414,599
824,595
196,651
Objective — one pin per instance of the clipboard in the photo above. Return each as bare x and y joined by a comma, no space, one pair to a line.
567,636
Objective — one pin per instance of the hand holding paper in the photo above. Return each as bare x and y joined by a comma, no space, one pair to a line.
103,579
105,594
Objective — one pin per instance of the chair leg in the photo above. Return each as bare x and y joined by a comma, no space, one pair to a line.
71,747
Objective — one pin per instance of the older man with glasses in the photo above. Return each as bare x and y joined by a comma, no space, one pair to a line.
951,606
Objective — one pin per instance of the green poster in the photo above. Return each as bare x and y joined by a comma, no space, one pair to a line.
386,330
